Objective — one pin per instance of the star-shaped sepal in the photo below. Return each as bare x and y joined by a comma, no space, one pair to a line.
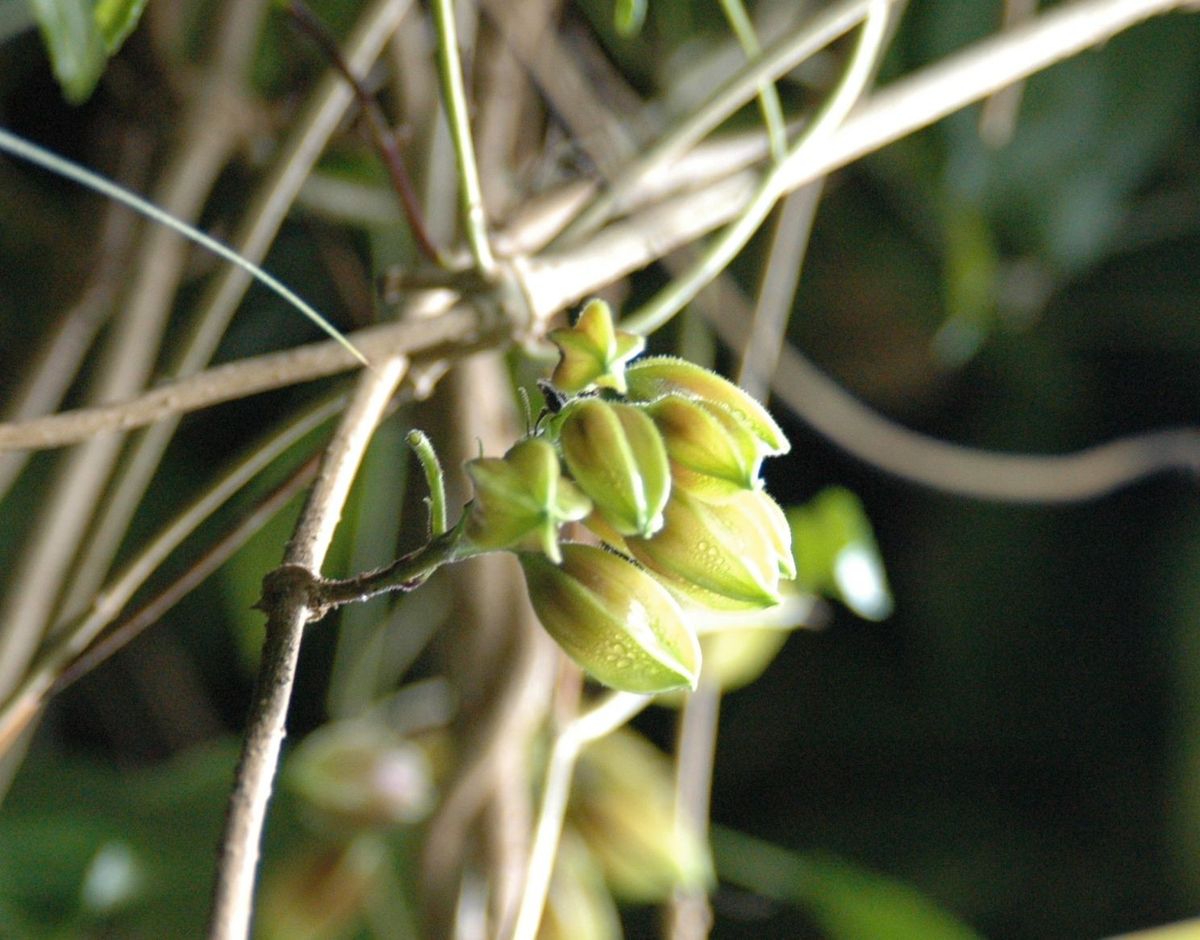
593,353
522,499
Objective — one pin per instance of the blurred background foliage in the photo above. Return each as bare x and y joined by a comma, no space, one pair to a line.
1016,744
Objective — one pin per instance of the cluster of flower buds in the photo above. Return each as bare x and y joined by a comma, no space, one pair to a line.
660,460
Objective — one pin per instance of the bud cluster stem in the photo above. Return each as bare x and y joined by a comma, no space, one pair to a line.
404,574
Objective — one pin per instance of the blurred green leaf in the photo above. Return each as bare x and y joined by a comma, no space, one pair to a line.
84,844
117,19
847,902
74,43
836,554
629,17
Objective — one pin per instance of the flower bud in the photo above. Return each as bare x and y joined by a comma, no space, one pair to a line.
721,555
617,457
592,352
359,775
713,454
613,619
661,375
522,499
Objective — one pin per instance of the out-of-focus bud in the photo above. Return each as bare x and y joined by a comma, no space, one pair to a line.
579,905
617,457
593,352
720,555
713,453
522,499
623,804
322,893
360,775
661,375
613,619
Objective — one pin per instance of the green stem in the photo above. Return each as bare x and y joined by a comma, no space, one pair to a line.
768,97
404,574
470,193
434,479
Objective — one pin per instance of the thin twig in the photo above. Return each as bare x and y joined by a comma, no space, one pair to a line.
69,641
57,364
974,73
213,557
253,236
781,275
233,891
788,52
670,300
690,914
126,360
768,97
610,714
419,338
381,135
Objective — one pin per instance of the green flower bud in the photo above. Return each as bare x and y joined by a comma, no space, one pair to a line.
773,523
522,499
714,455
592,352
623,804
721,555
613,619
661,375
617,457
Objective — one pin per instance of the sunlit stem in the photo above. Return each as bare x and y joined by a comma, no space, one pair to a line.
470,193
612,712
733,239
434,479
26,150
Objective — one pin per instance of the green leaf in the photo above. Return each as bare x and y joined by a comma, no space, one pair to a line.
836,554
86,849
74,44
848,902
117,19
629,17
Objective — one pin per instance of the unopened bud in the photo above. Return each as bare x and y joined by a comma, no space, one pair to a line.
713,453
661,375
617,457
623,804
618,623
719,555
359,775
522,499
